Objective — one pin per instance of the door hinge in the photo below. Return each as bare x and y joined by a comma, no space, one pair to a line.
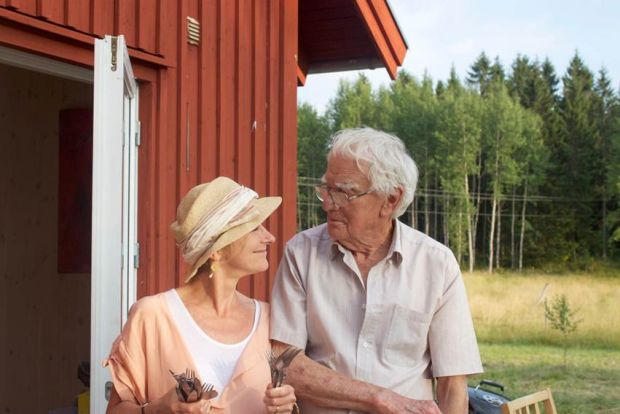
114,49
136,256
138,134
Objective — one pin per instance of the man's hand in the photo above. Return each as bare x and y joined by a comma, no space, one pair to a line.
327,388
389,402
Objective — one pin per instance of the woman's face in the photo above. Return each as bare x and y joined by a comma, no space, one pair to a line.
248,255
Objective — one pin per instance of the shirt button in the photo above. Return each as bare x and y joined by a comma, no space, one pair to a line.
366,344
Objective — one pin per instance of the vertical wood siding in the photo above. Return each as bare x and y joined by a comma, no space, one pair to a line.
232,88
136,19
224,107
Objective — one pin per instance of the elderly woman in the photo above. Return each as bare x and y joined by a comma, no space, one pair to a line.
206,327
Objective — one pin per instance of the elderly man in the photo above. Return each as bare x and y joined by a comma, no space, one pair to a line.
379,307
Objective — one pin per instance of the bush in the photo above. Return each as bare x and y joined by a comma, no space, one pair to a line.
562,318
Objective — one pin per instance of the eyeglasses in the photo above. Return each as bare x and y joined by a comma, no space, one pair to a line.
338,197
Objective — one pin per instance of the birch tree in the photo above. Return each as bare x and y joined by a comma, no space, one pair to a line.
502,138
458,135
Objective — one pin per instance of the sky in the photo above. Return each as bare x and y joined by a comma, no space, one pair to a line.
442,33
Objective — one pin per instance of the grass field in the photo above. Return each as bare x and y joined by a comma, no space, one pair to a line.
520,350
589,383
509,308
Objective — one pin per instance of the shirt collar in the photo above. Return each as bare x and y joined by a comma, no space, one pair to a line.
395,252
396,248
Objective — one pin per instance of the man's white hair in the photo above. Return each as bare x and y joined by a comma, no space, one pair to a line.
389,164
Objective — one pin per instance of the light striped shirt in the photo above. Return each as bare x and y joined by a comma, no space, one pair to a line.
410,323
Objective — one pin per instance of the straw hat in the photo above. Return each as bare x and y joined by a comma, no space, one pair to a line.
200,200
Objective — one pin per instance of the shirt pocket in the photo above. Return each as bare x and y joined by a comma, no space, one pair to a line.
407,337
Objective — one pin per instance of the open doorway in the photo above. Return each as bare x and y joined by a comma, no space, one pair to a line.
68,166
44,307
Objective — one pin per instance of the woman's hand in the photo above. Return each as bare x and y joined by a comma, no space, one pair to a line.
169,403
280,400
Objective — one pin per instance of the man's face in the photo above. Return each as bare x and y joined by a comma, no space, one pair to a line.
355,222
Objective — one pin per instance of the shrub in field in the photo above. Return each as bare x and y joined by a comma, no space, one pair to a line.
519,317
562,318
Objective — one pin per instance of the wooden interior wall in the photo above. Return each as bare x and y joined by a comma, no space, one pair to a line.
225,107
44,316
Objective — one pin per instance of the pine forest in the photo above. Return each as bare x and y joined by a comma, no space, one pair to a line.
519,166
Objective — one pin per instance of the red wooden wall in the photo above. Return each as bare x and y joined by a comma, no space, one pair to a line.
224,107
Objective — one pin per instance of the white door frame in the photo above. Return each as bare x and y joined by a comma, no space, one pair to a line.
114,246
114,264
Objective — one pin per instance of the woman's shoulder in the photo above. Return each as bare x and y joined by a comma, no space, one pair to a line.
265,310
263,306
148,306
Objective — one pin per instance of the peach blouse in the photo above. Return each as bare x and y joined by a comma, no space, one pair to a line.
150,346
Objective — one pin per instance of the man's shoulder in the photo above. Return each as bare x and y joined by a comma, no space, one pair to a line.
412,238
312,236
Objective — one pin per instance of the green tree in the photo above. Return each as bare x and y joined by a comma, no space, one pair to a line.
502,138
579,159
458,135
532,157
384,112
453,80
440,88
606,110
354,104
550,78
522,162
550,239
414,121
562,318
522,81
479,75
528,84
496,71
313,131
613,175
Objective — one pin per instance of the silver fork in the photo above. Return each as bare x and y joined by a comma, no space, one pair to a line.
189,387
279,364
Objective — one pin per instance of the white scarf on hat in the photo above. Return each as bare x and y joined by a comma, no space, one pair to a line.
231,211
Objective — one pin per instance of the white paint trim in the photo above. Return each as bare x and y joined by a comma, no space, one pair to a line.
25,60
113,276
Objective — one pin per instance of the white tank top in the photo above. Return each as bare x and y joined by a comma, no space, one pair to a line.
214,360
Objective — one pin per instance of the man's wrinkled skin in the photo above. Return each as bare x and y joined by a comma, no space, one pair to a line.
322,386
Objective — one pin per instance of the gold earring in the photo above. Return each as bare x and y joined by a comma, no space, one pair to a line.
215,267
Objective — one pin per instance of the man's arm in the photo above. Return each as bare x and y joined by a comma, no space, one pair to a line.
325,387
452,394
